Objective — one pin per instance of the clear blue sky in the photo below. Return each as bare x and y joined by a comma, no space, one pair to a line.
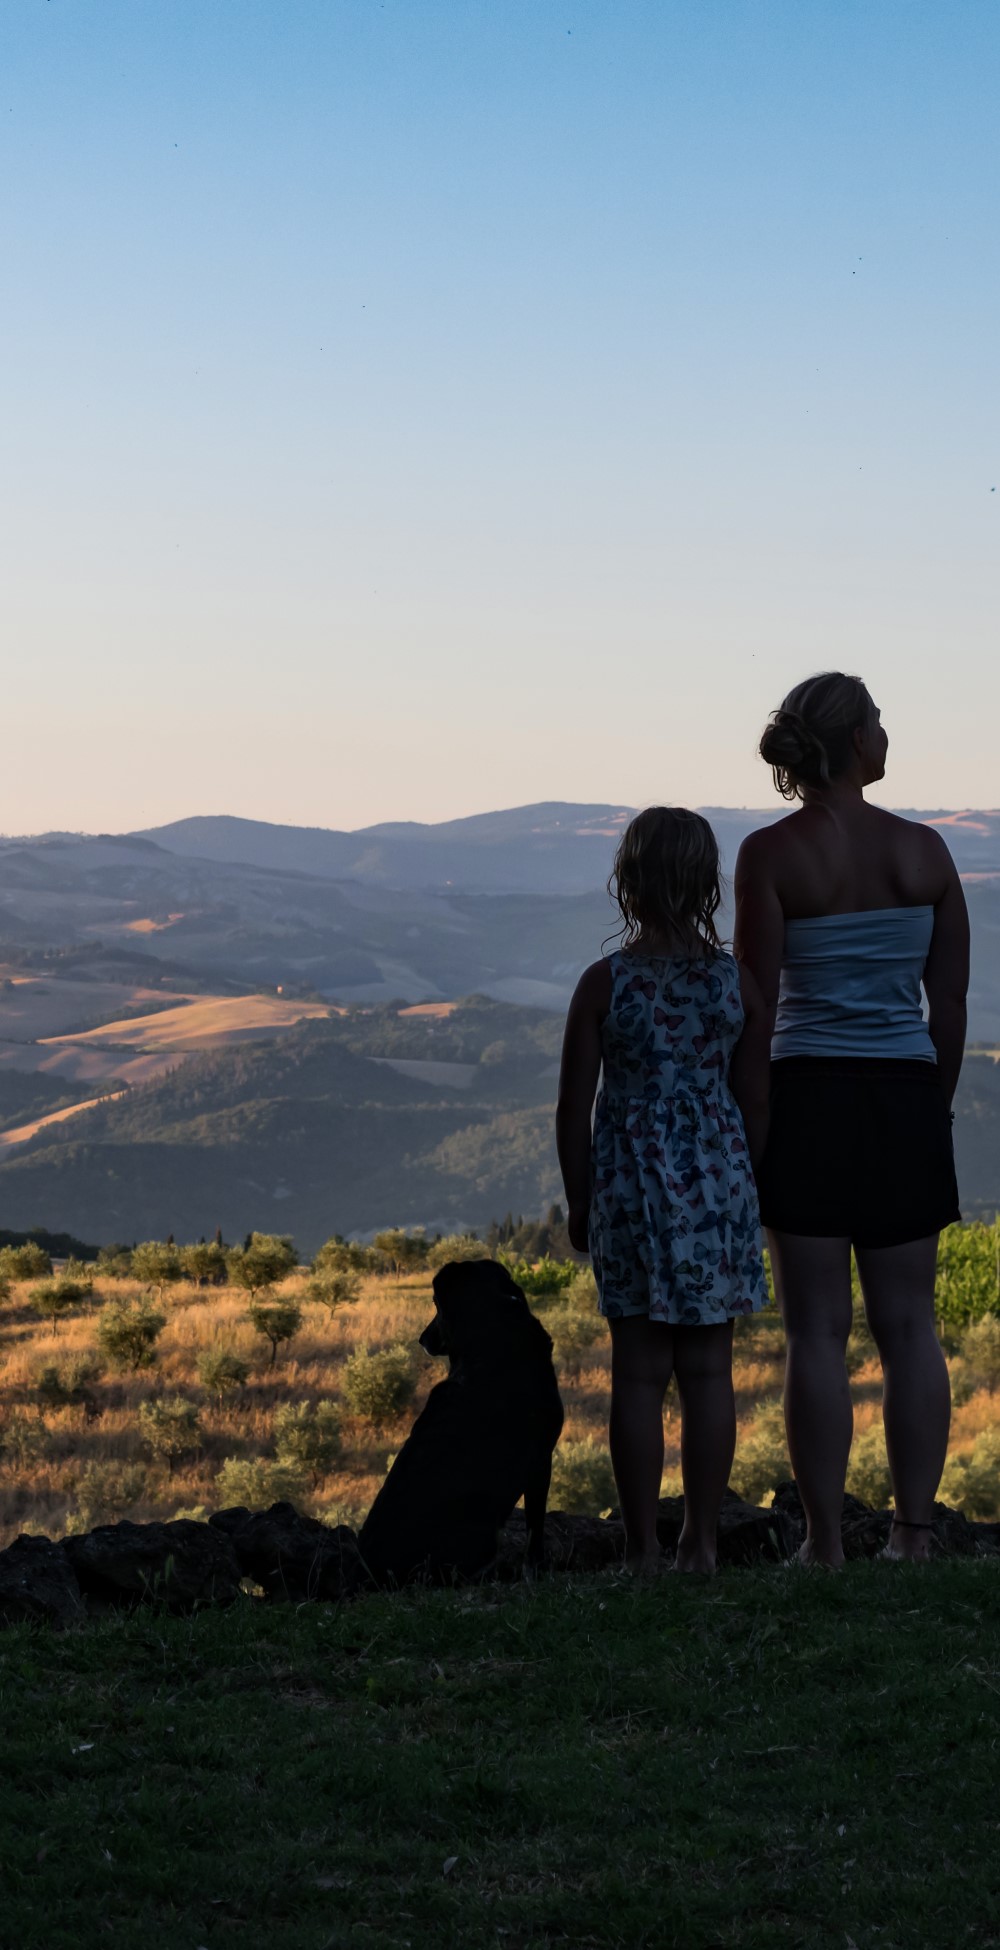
410,409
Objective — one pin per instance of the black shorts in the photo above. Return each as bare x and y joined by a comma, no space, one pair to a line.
858,1148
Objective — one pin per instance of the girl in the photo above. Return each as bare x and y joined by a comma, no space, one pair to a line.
664,1193
843,911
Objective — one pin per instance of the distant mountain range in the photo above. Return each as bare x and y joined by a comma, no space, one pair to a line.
552,848
509,904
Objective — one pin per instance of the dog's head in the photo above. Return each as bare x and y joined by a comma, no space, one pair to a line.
479,1309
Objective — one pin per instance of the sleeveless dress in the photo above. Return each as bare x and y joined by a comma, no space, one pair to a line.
674,1224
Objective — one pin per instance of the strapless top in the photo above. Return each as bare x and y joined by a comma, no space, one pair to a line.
850,985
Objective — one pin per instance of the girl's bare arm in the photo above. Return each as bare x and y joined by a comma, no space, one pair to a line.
578,1075
750,1069
760,923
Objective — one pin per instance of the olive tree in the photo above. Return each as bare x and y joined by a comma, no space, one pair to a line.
127,1333
156,1264
276,1320
169,1428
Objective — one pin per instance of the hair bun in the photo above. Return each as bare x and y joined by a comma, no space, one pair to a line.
789,743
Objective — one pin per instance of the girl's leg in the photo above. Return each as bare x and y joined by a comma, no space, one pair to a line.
812,1279
642,1359
703,1357
898,1285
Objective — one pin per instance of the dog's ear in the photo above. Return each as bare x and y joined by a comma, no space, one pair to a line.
432,1339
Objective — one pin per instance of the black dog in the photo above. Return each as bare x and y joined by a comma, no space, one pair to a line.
484,1440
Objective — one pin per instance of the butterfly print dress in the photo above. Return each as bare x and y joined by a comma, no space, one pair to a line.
674,1222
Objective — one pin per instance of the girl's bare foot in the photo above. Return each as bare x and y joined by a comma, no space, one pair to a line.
643,1564
695,1554
813,1558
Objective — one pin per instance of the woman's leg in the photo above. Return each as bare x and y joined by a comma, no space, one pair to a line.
703,1359
642,1359
898,1285
812,1279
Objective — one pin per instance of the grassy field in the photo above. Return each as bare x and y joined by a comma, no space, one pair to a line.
770,1758
44,1451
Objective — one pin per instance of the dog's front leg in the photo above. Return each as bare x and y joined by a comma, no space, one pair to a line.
536,1496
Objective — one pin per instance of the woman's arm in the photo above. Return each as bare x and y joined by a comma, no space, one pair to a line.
760,923
580,1069
750,1069
946,976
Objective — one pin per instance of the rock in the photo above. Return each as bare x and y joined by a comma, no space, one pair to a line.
749,1535
292,1556
571,1544
37,1585
866,1532
180,1564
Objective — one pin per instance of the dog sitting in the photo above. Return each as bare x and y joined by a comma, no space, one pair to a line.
484,1439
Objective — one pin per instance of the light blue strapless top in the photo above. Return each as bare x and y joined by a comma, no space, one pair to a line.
850,985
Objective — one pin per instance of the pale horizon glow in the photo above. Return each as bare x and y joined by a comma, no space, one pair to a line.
411,412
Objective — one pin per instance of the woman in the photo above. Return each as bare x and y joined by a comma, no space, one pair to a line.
842,910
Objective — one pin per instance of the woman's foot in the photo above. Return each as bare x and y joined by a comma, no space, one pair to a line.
909,1543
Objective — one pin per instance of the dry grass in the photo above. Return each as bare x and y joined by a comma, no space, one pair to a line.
41,1491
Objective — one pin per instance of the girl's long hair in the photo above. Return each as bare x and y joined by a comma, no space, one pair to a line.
666,879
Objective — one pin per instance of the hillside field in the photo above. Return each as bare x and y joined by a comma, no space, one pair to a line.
66,1464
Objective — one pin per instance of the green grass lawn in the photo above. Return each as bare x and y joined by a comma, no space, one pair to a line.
774,1757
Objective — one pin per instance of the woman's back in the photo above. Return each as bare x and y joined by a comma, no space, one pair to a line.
846,857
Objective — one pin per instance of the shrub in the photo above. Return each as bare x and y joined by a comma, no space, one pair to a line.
972,1483
963,1383
24,1440
204,1263
331,1289
401,1252
968,1273
156,1265
308,1438
761,1453
81,1271
868,1468
169,1428
573,1332
221,1372
276,1320
262,1262
456,1245
30,1262
114,1262
57,1298
127,1333
583,1481
547,1276
981,1348
343,1256
379,1386
252,1482
104,1491
69,1386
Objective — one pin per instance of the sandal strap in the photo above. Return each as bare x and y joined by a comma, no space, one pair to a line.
903,1523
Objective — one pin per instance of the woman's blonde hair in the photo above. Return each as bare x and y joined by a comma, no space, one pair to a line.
809,739
665,878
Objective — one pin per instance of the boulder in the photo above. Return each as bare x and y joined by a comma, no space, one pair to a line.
866,1532
37,1585
571,1544
180,1564
291,1556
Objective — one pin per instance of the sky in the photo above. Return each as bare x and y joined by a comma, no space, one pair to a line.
419,408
